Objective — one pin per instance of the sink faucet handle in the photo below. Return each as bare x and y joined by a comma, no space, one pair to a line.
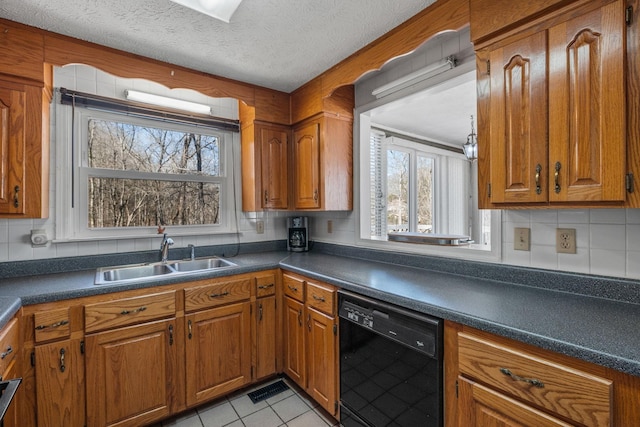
193,251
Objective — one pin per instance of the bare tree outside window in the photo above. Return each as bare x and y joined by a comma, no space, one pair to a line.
172,169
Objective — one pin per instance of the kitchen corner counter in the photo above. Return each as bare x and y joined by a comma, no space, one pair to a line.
599,330
588,317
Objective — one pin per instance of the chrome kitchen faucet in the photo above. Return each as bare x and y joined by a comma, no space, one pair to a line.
164,247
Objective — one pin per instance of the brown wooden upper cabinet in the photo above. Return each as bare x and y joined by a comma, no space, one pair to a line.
322,164
24,124
555,110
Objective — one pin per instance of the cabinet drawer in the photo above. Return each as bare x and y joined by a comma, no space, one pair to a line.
216,294
265,285
51,325
566,391
293,287
8,344
128,311
321,297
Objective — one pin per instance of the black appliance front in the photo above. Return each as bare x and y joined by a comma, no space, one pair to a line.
390,366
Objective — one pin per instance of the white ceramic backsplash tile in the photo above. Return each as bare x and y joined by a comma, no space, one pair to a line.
608,216
608,236
608,262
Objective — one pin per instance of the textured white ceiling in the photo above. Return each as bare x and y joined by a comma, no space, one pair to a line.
273,43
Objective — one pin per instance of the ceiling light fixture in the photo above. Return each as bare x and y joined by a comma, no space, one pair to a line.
471,146
164,101
219,9
417,76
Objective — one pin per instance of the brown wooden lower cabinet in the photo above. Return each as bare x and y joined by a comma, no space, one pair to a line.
494,381
310,338
218,351
322,360
294,342
60,384
266,334
130,374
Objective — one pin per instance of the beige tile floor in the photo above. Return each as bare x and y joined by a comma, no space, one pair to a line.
290,408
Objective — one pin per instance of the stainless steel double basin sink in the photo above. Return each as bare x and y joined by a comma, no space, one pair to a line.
145,272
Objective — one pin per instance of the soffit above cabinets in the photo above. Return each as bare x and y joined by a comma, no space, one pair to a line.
275,44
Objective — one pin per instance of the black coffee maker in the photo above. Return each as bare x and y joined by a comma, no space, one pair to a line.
298,234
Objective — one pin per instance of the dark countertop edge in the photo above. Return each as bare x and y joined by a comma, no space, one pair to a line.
9,306
594,356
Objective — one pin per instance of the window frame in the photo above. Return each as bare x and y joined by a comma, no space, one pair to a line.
72,171
362,128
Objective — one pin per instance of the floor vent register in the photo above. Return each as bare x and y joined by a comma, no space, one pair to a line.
268,391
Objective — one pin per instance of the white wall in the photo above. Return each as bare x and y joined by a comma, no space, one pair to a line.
15,234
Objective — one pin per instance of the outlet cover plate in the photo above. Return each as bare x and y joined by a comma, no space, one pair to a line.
566,240
521,239
260,226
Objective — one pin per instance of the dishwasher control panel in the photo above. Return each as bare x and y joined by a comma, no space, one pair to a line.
416,330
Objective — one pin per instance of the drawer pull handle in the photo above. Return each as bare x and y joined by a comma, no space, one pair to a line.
137,310
6,353
318,298
293,288
270,285
53,325
532,381
16,198
223,294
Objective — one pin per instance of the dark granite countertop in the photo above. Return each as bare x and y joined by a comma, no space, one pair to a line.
542,308
599,330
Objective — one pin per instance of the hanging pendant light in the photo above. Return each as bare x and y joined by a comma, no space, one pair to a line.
471,146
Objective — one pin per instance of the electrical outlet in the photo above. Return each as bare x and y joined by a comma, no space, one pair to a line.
260,226
329,226
521,239
566,240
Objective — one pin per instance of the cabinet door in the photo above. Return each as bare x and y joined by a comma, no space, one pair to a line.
11,418
218,351
481,407
518,120
322,359
130,374
307,166
294,341
265,336
60,384
587,110
12,148
274,151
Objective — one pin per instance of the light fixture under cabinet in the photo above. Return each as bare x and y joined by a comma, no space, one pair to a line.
417,76
164,101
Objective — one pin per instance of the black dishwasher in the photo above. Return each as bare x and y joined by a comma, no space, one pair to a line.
390,365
